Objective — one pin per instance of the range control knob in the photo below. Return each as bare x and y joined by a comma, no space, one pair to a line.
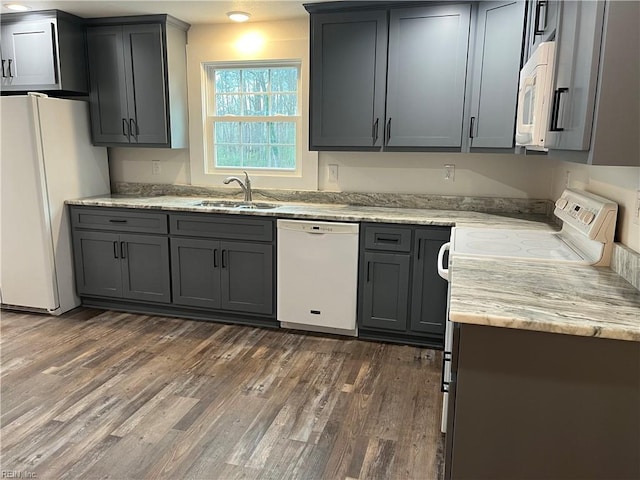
561,203
587,217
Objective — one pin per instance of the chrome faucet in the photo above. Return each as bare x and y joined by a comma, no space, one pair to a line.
245,186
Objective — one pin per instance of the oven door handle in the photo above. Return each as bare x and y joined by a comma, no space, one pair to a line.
443,272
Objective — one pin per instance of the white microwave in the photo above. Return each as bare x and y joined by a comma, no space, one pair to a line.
534,98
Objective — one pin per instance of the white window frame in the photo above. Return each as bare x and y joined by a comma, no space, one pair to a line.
303,177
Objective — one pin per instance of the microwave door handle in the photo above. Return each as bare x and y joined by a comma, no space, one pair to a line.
523,132
443,272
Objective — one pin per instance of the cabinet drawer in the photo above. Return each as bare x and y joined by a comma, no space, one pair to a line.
118,220
391,239
217,226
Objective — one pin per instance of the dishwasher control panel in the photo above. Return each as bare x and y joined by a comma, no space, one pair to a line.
317,227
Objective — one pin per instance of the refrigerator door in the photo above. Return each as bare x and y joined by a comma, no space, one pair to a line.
26,245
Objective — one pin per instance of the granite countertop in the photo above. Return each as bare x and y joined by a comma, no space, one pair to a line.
331,212
549,297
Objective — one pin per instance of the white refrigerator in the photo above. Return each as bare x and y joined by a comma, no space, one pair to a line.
46,157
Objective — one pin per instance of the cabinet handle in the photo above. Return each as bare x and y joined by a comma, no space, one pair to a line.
117,220
471,125
125,129
382,239
419,247
374,130
215,258
9,69
133,128
446,357
368,271
4,75
115,249
389,130
555,110
224,256
536,20
123,249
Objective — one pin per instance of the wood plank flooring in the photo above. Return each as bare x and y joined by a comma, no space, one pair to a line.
101,394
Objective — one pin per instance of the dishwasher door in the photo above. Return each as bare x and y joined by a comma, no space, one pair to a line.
317,276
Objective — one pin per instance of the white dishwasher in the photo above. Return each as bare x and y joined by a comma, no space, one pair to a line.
317,276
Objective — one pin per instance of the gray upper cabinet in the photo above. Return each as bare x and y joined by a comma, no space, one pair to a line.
595,115
426,76
137,68
348,52
43,51
543,22
495,71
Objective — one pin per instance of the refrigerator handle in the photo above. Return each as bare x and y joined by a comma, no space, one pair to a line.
125,129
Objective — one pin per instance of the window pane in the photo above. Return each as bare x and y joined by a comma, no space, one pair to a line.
227,132
227,104
228,156
284,79
256,105
282,133
284,104
282,157
254,133
227,81
254,156
255,80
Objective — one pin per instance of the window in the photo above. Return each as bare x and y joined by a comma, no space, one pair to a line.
253,117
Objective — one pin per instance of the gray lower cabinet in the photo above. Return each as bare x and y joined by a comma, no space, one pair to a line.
43,51
137,69
128,266
401,296
227,275
525,404
223,262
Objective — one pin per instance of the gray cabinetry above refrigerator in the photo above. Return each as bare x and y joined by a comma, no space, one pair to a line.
137,68
43,51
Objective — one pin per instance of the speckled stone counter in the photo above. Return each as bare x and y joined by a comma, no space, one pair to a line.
330,212
546,297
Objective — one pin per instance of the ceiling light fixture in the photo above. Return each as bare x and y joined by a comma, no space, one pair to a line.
16,7
238,16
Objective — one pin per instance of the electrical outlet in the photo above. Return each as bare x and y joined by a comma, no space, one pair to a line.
450,172
636,211
333,173
155,167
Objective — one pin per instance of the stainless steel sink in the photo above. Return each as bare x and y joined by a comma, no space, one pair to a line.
236,205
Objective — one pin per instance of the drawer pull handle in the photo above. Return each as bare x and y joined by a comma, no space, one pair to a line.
381,239
117,220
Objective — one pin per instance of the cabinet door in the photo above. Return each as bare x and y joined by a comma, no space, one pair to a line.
247,277
97,263
544,21
145,268
429,295
496,68
426,76
195,272
348,66
577,61
29,54
108,97
146,90
385,291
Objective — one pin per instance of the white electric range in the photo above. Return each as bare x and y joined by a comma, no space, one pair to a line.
588,227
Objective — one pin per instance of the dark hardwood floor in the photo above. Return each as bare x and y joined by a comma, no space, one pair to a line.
95,394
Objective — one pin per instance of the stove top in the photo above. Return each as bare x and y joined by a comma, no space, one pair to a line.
520,244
